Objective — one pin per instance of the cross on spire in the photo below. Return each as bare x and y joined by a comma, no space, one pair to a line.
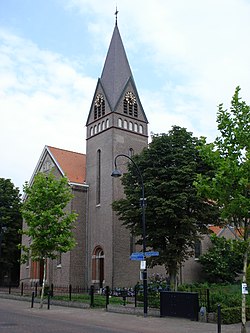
116,13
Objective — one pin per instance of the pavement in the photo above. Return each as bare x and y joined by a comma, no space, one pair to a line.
115,322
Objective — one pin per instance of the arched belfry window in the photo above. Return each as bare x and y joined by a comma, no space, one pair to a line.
130,106
98,266
99,106
98,177
125,124
119,122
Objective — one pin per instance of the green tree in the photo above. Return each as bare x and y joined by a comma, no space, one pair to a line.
10,223
48,222
223,261
230,186
175,216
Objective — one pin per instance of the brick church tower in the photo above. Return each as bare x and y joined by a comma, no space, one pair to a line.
116,124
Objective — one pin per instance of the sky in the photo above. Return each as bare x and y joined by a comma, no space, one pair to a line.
187,57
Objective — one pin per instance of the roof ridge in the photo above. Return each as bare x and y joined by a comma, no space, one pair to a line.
70,151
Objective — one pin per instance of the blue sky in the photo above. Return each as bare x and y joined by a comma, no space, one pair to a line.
186,58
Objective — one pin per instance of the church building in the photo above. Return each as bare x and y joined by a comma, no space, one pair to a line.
116,124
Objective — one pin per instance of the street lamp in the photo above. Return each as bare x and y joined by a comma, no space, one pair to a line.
116,173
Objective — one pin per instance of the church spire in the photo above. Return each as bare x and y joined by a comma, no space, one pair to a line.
116,71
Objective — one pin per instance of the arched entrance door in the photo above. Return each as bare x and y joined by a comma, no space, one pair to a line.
98,266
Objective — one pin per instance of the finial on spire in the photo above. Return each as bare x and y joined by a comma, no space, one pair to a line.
116,13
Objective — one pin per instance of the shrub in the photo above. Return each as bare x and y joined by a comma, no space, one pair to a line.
233,315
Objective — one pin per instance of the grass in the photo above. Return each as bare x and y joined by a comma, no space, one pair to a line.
99,300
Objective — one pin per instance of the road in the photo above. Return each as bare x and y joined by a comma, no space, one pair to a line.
18,317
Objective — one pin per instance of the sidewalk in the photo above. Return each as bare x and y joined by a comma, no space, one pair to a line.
119,321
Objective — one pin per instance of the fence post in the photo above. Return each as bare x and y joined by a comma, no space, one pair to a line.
70,292
219,319
136,289
52,290
36,289
92,296
208,301
32,299
22,289
107,296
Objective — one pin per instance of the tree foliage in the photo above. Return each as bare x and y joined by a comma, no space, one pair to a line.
230,186
175,216
10,223
48,222
223,261
229,156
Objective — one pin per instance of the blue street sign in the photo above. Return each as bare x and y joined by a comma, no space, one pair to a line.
137,256
152,254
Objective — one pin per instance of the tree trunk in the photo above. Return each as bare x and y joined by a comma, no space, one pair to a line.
243,310
173,279
44,279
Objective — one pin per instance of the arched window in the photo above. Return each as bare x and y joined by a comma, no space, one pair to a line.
107,123
98,177
95,129
135,127
125,124
131,152
91,131
98,266
103,125
119,122
99,127
140,129
131,126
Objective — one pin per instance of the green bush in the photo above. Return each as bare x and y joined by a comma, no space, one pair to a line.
233,315
248,275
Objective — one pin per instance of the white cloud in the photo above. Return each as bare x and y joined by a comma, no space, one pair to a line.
187,55
43,101
199,47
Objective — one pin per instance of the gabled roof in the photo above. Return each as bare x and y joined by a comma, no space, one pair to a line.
227,229
116,71
71,164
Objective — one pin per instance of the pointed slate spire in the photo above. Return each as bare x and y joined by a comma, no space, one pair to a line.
116,71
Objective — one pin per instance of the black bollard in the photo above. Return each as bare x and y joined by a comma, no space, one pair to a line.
22,289
48,299
107,296
219,319
32,299
70,292
92,296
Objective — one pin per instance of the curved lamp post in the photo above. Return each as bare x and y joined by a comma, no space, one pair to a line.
116,173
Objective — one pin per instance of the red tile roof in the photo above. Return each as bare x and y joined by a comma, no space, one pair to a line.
72,164
215,229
